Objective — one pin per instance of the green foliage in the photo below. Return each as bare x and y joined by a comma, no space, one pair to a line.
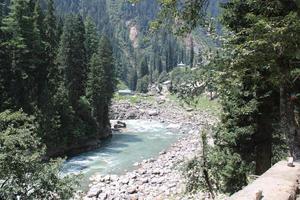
132,79
23,172
253,68
190,84
23,45
121,85
91,38
72,58
191,13
102,81
46,76
144,68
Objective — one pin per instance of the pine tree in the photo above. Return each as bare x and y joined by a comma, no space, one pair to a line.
72,58
5,71
132,79
51,41
39,49
96,88
106,53
91,38
144,68
102,82
23,44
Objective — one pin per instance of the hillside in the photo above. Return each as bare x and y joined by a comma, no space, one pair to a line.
128,26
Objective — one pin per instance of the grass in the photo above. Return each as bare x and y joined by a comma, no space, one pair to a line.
201,103
134,99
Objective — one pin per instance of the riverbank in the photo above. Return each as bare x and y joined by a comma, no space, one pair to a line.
160,177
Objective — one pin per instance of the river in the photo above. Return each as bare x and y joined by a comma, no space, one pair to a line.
140,140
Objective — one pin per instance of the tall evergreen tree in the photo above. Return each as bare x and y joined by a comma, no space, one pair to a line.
91,37
72,58
132,79
39,49
5,71
51,41
144,68
102,82
23,44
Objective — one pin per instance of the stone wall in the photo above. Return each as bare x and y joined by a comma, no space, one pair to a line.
280,182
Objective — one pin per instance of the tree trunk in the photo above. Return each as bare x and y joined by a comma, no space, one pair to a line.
287,109
263,136
288,123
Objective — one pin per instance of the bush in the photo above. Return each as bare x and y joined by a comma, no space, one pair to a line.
23,172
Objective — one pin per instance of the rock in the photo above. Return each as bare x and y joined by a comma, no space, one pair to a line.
125,181
142,171
102,196
171,185
174,126
121,124
189,109
144,180
132,190
107,178
94,192
131,115
133,176
156,171
157,180
152,112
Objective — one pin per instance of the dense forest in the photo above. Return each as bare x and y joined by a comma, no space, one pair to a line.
57,79
136,46
61,62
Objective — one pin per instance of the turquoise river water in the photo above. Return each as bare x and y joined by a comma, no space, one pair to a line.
140,140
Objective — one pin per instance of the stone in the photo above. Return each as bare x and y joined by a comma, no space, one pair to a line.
94,192
152,112
174,126
144,180
133,176
131,115
189,109
132,190
107,178
125,181
156,171
103,196
142,171
134,197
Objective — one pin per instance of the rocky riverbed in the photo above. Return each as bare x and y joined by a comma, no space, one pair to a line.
160,177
